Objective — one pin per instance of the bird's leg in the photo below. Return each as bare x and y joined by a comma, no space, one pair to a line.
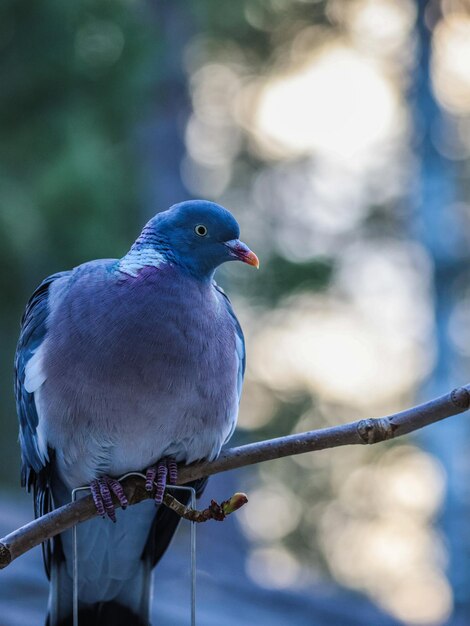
165,472
173,471
162,473
101,491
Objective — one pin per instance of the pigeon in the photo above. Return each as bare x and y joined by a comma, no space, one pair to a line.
122,365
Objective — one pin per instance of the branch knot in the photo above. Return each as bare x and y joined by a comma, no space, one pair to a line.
460,397
373,430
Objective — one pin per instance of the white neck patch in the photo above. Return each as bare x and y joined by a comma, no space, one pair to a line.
136,259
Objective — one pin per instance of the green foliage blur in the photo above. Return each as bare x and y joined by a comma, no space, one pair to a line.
76,79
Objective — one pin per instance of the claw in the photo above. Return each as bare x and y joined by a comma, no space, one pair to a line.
107,499
173,471
150,478
95,492
118,491
162,472
165,471
101,489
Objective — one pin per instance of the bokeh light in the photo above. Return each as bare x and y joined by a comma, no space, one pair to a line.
322,165
451,62
339,105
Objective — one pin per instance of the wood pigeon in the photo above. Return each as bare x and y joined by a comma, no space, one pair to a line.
121,365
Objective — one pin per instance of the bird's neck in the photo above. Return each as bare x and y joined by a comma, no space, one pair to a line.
142,255
138,258
148,251
152,249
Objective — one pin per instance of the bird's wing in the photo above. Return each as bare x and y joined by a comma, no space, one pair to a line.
28,378
240,353
34,456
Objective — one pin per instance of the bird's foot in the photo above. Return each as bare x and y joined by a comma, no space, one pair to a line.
165,472
101,490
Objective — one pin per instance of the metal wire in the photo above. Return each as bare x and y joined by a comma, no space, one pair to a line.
192,550
75,562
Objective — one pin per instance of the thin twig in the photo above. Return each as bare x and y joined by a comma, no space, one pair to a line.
366,431
214,511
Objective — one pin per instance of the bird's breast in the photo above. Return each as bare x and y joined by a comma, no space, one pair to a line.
141,370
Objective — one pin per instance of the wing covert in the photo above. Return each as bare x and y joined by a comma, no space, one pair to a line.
239,350
32,334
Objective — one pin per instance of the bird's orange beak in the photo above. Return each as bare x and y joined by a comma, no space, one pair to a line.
242,252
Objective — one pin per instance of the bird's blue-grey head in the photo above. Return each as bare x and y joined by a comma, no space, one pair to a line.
197,235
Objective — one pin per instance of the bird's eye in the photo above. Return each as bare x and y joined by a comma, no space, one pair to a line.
200,230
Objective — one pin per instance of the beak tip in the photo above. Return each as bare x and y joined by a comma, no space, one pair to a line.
254,261
242,252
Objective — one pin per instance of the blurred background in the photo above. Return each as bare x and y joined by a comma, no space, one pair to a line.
338,133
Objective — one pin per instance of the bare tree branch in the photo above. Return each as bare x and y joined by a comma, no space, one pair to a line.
366,431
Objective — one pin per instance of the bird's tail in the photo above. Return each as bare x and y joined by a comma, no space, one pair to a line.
113,571
115,563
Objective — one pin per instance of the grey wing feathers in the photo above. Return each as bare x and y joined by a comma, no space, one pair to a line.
34,467
239,351
239,339
32,334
